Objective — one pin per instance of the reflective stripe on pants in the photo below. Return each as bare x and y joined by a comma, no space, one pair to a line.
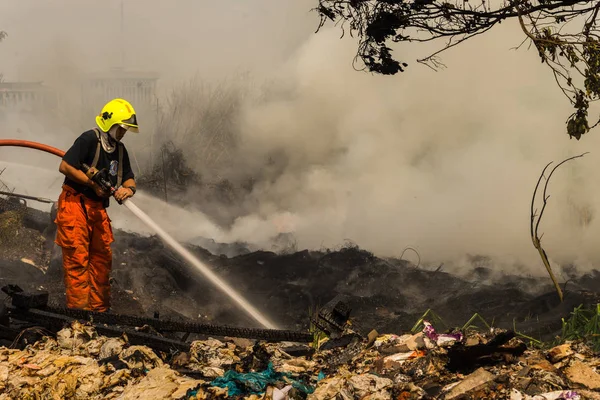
84,232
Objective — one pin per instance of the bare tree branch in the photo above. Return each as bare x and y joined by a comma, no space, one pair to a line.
534,225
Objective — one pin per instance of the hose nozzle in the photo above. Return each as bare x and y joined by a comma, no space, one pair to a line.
98,177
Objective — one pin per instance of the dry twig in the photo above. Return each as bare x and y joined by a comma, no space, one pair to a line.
534,225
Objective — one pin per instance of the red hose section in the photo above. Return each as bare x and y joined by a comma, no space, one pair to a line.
32,145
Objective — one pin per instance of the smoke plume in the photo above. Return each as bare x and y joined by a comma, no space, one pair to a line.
445,162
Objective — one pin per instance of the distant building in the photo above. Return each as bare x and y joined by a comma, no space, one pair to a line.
139,88
77,103
27,96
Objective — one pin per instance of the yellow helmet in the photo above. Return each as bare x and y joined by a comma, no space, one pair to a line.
117,111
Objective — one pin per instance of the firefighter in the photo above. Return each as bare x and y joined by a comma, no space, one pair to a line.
84,230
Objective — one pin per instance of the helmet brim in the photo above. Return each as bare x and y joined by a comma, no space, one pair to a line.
131,124
131,128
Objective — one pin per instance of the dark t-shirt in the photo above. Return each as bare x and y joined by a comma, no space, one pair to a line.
83,151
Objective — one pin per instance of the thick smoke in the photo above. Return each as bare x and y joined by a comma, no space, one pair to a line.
444,162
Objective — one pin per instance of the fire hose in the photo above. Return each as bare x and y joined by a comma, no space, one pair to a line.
100,179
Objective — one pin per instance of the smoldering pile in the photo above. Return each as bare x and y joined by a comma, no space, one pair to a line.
384,294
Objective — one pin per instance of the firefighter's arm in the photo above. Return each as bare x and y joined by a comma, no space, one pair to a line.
80,177
126,190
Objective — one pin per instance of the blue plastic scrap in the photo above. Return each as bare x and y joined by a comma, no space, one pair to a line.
191,393
255,382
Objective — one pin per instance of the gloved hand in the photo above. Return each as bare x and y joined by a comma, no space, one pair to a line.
123,193
99,192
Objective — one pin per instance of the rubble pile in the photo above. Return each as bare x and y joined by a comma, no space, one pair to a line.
384,294
495,364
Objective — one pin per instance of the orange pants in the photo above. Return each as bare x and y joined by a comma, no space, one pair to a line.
84,232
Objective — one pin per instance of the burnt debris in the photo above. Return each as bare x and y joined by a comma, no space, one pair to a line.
386,295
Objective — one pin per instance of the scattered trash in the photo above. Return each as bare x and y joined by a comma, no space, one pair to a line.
473,381
281,394
333,317
560,352
502,348
495,364
253,382
583,375
441,339
558,395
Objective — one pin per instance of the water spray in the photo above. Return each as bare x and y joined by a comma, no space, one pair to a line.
168,239
189,257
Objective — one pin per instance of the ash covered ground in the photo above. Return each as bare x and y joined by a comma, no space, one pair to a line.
389,295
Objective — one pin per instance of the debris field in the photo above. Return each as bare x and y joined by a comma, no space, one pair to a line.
80,364
381,353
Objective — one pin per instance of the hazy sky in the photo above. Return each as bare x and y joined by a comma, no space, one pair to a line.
176,38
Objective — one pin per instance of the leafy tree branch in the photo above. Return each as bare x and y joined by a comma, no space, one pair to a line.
564,32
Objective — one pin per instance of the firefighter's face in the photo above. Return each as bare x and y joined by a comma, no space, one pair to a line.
117,132
120,133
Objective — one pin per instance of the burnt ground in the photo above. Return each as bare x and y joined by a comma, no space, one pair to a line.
388,295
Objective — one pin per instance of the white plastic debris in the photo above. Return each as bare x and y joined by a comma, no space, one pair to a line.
557,395
281,394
